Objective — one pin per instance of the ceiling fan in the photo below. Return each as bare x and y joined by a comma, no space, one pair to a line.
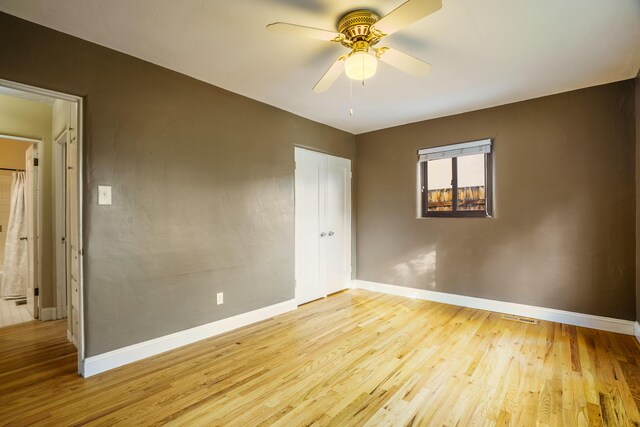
361,30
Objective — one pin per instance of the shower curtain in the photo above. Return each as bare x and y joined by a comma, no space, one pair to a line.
14,281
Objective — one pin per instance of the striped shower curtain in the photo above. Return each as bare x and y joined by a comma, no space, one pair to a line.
14,280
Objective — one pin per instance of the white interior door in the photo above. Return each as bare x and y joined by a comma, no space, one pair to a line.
31,195
73,249
310,183
323,224
338,224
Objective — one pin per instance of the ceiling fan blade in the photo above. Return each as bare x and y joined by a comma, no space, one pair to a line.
302,31
403,62
406,14
330,76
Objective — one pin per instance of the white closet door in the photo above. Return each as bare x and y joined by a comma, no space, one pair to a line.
338,224
310,263
323,224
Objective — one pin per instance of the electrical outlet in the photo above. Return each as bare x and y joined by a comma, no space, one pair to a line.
220,298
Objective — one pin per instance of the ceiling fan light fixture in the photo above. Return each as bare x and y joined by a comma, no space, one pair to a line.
361,31
360,66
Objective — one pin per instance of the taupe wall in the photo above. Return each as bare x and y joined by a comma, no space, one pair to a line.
563,232
202,183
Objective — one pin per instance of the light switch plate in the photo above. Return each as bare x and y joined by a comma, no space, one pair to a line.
104,195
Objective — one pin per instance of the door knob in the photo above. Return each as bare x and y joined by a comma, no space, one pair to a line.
23,238
331,233
323,234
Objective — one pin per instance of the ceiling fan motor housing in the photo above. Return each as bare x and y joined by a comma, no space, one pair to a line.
356,26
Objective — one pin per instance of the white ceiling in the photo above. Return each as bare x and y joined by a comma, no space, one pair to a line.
484,52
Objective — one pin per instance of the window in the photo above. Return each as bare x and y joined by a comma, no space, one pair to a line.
456,180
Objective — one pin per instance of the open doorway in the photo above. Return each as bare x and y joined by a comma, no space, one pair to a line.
19,224
40,206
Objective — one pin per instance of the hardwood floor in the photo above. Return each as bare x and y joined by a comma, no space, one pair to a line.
356,358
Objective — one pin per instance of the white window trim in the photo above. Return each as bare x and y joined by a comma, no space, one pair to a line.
482,146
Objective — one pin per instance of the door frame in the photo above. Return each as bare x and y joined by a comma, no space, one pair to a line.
60,227
79,101
352,228
37,191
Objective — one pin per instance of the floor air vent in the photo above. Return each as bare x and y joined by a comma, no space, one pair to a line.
520,319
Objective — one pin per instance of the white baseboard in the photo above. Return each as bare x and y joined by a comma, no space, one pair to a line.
103,362
636,330
542,313
48,313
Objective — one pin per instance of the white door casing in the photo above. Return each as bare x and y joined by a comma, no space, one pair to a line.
31,195
60,171
322,224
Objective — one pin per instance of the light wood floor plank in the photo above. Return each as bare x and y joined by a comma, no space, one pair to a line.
355,358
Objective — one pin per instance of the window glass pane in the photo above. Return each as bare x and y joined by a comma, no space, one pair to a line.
471,185
439,189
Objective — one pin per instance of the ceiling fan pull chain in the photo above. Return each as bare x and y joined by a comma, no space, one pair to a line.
351,97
